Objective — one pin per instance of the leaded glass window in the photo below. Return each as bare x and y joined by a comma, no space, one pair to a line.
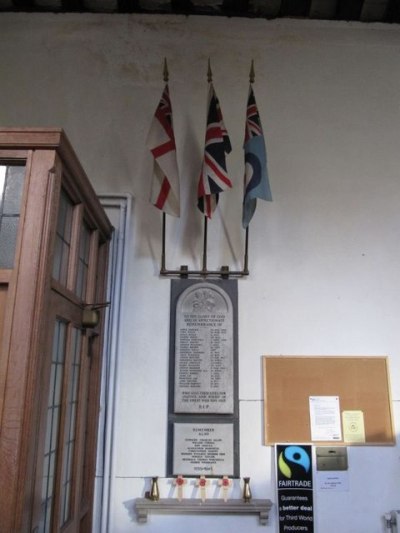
52,426
63,239
11,187
70,426
83,261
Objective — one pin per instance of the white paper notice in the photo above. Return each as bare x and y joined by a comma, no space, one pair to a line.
325,418
335,481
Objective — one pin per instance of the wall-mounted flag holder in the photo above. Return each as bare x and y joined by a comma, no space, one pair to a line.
213,178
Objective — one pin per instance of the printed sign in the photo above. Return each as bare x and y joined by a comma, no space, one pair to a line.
295,488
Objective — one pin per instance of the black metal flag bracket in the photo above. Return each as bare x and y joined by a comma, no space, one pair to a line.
225,272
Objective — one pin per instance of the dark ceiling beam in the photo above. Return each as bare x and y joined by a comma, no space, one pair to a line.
349,9
72,5
295,8
261,8
236,7
129,6
393,11
374,10
182,6
24,4
358,10
323,9
207,7
101,6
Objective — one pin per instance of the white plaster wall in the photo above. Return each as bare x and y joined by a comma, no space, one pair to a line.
324,256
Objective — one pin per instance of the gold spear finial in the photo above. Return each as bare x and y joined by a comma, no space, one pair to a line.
165,71
252,74
209,72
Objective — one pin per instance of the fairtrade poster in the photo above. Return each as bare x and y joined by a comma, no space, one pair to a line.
294,488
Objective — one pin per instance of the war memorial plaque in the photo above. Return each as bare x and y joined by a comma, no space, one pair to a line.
204,354
203,404
203,449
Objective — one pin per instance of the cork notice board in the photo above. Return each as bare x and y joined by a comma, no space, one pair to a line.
361,383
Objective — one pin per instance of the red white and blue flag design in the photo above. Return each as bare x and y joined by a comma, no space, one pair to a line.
214,177
161,142
256,183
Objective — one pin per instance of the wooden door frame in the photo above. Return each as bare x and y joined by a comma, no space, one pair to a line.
50,161
23,335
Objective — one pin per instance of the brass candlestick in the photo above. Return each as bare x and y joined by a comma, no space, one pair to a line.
246,489
154,494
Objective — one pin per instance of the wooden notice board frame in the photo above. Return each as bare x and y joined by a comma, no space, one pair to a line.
362,384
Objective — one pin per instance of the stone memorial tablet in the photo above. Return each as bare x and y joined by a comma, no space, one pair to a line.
204,351
203,449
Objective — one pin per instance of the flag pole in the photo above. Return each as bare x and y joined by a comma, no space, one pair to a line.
163,244
246,246
252,74
204,269
246,253
164,218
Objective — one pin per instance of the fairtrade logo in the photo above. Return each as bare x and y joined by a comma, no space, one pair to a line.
293,454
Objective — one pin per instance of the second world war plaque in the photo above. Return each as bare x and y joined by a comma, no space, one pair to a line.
203,449
204,351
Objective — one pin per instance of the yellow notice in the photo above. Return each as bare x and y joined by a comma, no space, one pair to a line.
353,426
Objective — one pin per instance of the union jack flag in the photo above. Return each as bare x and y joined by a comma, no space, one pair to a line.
253,122
256,183
161,142
214,177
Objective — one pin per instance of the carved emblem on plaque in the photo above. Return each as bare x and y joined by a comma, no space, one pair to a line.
204,300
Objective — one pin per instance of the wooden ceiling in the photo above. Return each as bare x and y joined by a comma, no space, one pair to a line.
387,11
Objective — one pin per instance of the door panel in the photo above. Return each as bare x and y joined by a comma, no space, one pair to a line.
69,443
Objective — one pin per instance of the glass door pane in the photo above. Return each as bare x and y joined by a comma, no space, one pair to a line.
70,426
53,421
83,261
63,239
11,186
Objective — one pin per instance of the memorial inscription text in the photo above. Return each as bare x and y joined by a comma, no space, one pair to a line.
204,352
203,449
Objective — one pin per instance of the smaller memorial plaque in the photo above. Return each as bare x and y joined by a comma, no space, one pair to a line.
203,449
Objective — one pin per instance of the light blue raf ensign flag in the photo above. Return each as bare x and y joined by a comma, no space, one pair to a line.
256,182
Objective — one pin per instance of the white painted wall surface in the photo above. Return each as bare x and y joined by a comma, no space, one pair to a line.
325,255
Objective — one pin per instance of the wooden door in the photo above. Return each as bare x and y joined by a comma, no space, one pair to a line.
65,469
52,282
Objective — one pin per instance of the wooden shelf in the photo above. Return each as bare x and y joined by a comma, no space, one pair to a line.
217,506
